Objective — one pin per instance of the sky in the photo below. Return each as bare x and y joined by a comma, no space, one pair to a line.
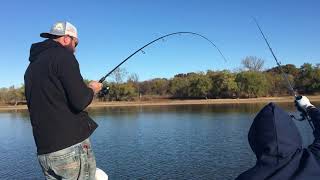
110,30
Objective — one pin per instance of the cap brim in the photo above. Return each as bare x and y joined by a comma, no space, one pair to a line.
48,35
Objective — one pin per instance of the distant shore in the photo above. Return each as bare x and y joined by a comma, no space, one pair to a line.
166,102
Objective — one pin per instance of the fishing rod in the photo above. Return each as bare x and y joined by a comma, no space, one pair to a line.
304,115
162,37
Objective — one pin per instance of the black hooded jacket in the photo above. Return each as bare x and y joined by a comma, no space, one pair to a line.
56,96
276,141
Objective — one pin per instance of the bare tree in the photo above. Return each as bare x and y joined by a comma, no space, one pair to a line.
252,63
134,79
119,75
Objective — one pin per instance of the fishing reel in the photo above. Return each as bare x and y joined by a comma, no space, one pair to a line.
303,114
103,92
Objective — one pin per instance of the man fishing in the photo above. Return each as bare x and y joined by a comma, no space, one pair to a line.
56,97
276,141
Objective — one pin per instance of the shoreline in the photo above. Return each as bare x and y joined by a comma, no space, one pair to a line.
168,102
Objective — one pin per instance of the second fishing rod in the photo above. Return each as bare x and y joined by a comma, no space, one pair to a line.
304,115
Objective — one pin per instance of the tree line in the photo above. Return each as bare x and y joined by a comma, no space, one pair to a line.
248,82
11,95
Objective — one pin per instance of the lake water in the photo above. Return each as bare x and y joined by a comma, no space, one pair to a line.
154,142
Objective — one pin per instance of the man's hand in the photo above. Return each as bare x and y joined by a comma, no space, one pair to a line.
95,86
302,103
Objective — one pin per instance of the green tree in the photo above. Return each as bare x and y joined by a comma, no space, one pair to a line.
223,84
122,92
277,83
252,84
308,80
159,86
289,69
199,85
178,87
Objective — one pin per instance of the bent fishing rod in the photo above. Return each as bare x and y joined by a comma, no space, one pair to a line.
162,37
304,115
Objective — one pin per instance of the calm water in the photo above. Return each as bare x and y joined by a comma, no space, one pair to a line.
158,142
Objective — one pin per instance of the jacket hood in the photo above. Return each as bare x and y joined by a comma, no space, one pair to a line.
276,141
38,48
273,135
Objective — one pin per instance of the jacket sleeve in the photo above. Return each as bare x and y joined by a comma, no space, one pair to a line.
314,114
78,93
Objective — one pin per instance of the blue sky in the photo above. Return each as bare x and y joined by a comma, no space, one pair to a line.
109,31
